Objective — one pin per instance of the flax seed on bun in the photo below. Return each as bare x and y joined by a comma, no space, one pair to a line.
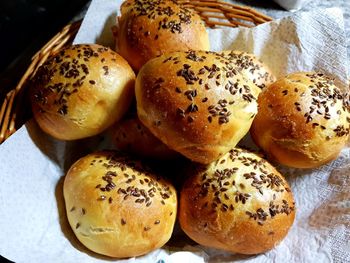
117,206
239,203
303,120
150,28
81,90
196,102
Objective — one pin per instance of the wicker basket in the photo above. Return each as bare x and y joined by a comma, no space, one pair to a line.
13,111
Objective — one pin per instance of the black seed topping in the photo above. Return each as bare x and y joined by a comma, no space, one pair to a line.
187,74
106,70
192,108
190,94
69,67
193,56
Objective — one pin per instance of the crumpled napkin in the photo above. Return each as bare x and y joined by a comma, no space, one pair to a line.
33,223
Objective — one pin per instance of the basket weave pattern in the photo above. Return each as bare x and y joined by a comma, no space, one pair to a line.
213,12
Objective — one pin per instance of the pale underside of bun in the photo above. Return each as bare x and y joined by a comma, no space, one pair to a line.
239,203
303,120
196,102
81,90
147,29
118,207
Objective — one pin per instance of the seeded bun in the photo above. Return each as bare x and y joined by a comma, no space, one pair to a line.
251,67
196,103
130,135
150,28
303,120
239,203
117,207
81,90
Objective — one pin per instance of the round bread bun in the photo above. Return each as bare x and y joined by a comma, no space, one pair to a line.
117,207
303,120
251,67
239,203
148,28
130,135
196,103
81,90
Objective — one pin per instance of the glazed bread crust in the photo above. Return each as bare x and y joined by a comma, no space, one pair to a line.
195,102
118,207
81,91
303,120
239,203
150,28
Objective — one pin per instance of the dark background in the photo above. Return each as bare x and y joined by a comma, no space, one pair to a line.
25,26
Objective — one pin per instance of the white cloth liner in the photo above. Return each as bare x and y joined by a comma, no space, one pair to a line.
33,224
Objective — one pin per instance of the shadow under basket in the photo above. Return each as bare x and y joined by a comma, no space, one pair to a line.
15,109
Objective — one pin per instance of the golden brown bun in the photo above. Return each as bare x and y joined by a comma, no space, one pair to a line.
81,91
130,135
196,103
303,120
117,207
251,67
239,203
150,28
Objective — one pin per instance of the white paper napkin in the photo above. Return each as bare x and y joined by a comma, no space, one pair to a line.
33,223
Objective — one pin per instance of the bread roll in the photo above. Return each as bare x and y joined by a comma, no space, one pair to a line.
251,67
150,28
239,203
303,120
117,207
130,135
196,103
81,90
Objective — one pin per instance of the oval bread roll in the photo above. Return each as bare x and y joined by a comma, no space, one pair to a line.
303,120
150,28
117,207
196,103
239,203
80,91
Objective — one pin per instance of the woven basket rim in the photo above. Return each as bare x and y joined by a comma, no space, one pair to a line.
213,12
